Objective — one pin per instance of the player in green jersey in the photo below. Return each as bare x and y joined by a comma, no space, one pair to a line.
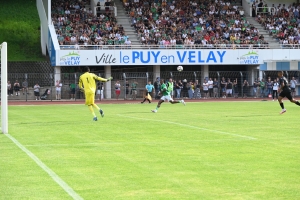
166,97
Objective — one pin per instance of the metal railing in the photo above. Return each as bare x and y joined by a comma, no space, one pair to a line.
216,46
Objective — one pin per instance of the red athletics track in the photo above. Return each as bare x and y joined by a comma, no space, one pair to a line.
122,101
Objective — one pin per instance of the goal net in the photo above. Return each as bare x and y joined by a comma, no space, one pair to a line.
4,106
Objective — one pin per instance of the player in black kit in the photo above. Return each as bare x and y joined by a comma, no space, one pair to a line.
284,91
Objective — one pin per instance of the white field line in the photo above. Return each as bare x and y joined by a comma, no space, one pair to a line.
190,126
51,173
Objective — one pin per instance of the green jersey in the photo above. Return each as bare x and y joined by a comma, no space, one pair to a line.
133,86
262,84
162,87
72,86
170,86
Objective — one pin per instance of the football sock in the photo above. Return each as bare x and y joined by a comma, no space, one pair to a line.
282,106
157,108
297,103
95,106
92,111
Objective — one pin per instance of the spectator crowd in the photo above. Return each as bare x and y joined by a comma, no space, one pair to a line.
210,24
281,21
168,23
176,24
76,24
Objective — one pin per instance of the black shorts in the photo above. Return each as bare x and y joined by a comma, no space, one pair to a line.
36,93
293,90
287,94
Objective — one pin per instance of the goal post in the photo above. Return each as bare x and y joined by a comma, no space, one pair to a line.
4,101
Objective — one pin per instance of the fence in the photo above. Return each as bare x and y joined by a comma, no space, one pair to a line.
46,80
107,46
288,75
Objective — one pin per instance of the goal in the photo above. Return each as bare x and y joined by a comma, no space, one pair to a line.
4,106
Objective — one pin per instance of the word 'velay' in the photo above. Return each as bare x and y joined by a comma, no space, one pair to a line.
180,56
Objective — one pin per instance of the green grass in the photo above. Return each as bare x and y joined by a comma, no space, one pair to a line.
226,150
19,27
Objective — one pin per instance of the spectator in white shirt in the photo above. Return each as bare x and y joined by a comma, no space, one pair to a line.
67,11
173,41
73,39
58,86
242,12
128,43
210,87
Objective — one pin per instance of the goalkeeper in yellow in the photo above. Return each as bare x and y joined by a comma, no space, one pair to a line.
87,83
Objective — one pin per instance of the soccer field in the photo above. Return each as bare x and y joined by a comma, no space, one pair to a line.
207,150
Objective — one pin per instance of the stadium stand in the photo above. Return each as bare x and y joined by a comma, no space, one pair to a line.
282,22
206,24
76,24
169,24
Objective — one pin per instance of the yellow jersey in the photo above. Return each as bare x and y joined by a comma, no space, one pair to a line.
88,82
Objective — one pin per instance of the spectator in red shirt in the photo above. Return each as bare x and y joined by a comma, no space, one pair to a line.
181,12
207,37
67,40
280,35
286,14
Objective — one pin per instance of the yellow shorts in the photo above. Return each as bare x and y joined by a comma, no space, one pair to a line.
89,99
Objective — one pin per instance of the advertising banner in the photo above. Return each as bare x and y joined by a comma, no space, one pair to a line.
72,57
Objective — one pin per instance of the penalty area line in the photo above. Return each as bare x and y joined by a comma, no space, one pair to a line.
190,126
51,173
